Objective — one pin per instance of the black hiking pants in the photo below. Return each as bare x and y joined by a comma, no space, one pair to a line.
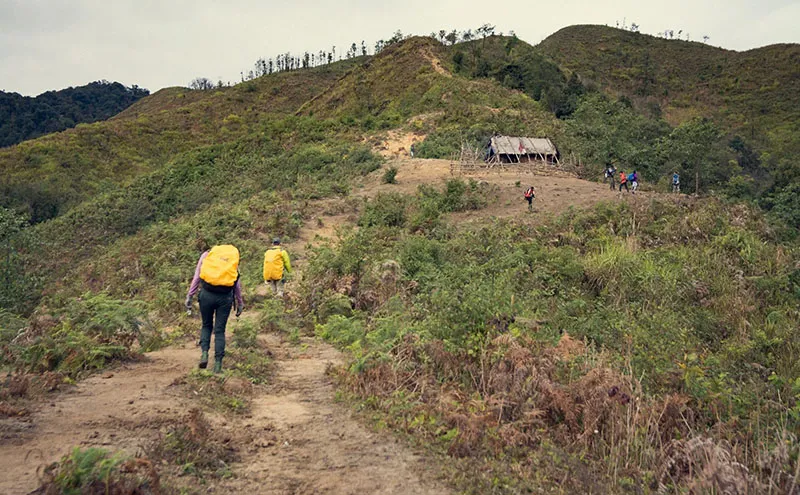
215,308
623,184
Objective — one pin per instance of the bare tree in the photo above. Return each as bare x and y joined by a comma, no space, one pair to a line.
201,84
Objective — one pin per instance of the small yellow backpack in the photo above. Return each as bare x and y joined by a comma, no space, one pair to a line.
221,266
273,264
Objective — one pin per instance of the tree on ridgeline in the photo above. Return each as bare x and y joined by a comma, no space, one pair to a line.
202,83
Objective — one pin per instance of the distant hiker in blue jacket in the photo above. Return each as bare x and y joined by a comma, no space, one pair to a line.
634,180
676,183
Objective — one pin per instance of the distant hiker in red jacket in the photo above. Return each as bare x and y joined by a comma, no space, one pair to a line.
530,195
623,181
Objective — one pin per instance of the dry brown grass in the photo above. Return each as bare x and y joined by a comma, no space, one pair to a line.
513,397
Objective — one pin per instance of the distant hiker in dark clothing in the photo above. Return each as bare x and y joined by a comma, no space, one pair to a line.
412,149
623,181
530,195
676,183
216,277
611,171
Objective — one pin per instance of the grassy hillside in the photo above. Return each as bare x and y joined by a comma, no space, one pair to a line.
645,345
46,176
753,93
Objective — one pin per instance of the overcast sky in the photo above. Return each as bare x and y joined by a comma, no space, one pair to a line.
52,44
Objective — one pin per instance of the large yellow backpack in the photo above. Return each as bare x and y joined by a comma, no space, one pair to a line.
273,264
221,266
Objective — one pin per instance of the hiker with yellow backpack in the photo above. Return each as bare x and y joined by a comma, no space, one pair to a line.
276,261
217,279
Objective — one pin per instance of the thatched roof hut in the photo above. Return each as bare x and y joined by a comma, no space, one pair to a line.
511,149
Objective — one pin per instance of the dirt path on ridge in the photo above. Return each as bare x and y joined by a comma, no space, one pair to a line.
299,439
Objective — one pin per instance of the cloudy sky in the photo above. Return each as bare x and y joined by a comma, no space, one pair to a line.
52,44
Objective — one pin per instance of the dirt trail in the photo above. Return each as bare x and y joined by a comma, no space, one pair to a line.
93,414
299,439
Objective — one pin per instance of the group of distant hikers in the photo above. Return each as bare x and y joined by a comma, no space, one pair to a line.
629,181
216,278
624,179
633,179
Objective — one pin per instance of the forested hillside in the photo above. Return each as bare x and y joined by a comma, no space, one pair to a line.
24,117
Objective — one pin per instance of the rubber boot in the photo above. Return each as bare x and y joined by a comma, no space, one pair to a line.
218,366
203,360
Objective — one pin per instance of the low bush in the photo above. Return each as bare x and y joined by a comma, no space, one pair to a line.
87,334
390,176
194,448
93,470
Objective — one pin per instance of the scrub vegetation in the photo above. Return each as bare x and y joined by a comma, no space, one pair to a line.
645,346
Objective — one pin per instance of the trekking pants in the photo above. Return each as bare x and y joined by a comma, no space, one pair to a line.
215,308
612,183
276,286
623,184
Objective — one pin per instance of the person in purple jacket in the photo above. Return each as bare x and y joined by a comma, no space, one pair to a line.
215,303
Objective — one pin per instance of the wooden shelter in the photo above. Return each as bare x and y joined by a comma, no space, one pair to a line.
508,149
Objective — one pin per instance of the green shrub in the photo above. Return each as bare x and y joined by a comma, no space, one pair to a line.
88,334
95,470
245,334
341,330
384,210
389,176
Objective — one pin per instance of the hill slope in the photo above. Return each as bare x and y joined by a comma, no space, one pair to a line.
605,342
23,117
754,93
47,176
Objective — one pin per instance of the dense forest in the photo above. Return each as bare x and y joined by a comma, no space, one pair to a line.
24,117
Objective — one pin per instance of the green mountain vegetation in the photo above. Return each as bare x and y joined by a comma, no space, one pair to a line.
641,346
23,117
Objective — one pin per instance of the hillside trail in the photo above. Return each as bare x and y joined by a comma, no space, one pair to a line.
296,438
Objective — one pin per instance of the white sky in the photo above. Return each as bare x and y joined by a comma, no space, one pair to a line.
52,44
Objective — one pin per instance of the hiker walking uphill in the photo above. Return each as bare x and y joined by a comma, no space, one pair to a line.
276,264
217,279
623,181
676,182
633,178
611,171
530,195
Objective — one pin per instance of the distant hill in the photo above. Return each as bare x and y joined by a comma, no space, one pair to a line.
24,117
40,176
754,93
